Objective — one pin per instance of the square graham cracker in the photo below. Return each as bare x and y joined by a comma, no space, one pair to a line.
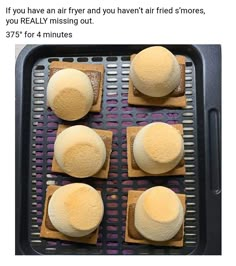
176,241
106,136
171,100
46,232
131,132
95,72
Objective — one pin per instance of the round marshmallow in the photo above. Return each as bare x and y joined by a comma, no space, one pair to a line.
70,94
158,148
76,210
79,151
159,214
155,71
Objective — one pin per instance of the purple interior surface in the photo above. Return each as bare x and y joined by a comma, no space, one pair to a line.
116,115
111,211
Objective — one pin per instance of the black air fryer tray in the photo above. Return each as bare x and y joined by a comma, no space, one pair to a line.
36,129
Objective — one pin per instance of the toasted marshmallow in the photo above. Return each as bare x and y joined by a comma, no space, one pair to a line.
76,210
155,71
159,214
158,148
79,151
70,94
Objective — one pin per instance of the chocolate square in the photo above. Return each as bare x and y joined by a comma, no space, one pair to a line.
133,236
176,98
47,230
95,72
133,168
134,233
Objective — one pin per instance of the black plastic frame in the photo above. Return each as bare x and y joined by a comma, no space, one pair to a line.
207,59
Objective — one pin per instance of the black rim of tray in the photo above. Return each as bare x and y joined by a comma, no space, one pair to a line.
35,134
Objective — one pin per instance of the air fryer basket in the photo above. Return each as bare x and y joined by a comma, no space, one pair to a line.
36,127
